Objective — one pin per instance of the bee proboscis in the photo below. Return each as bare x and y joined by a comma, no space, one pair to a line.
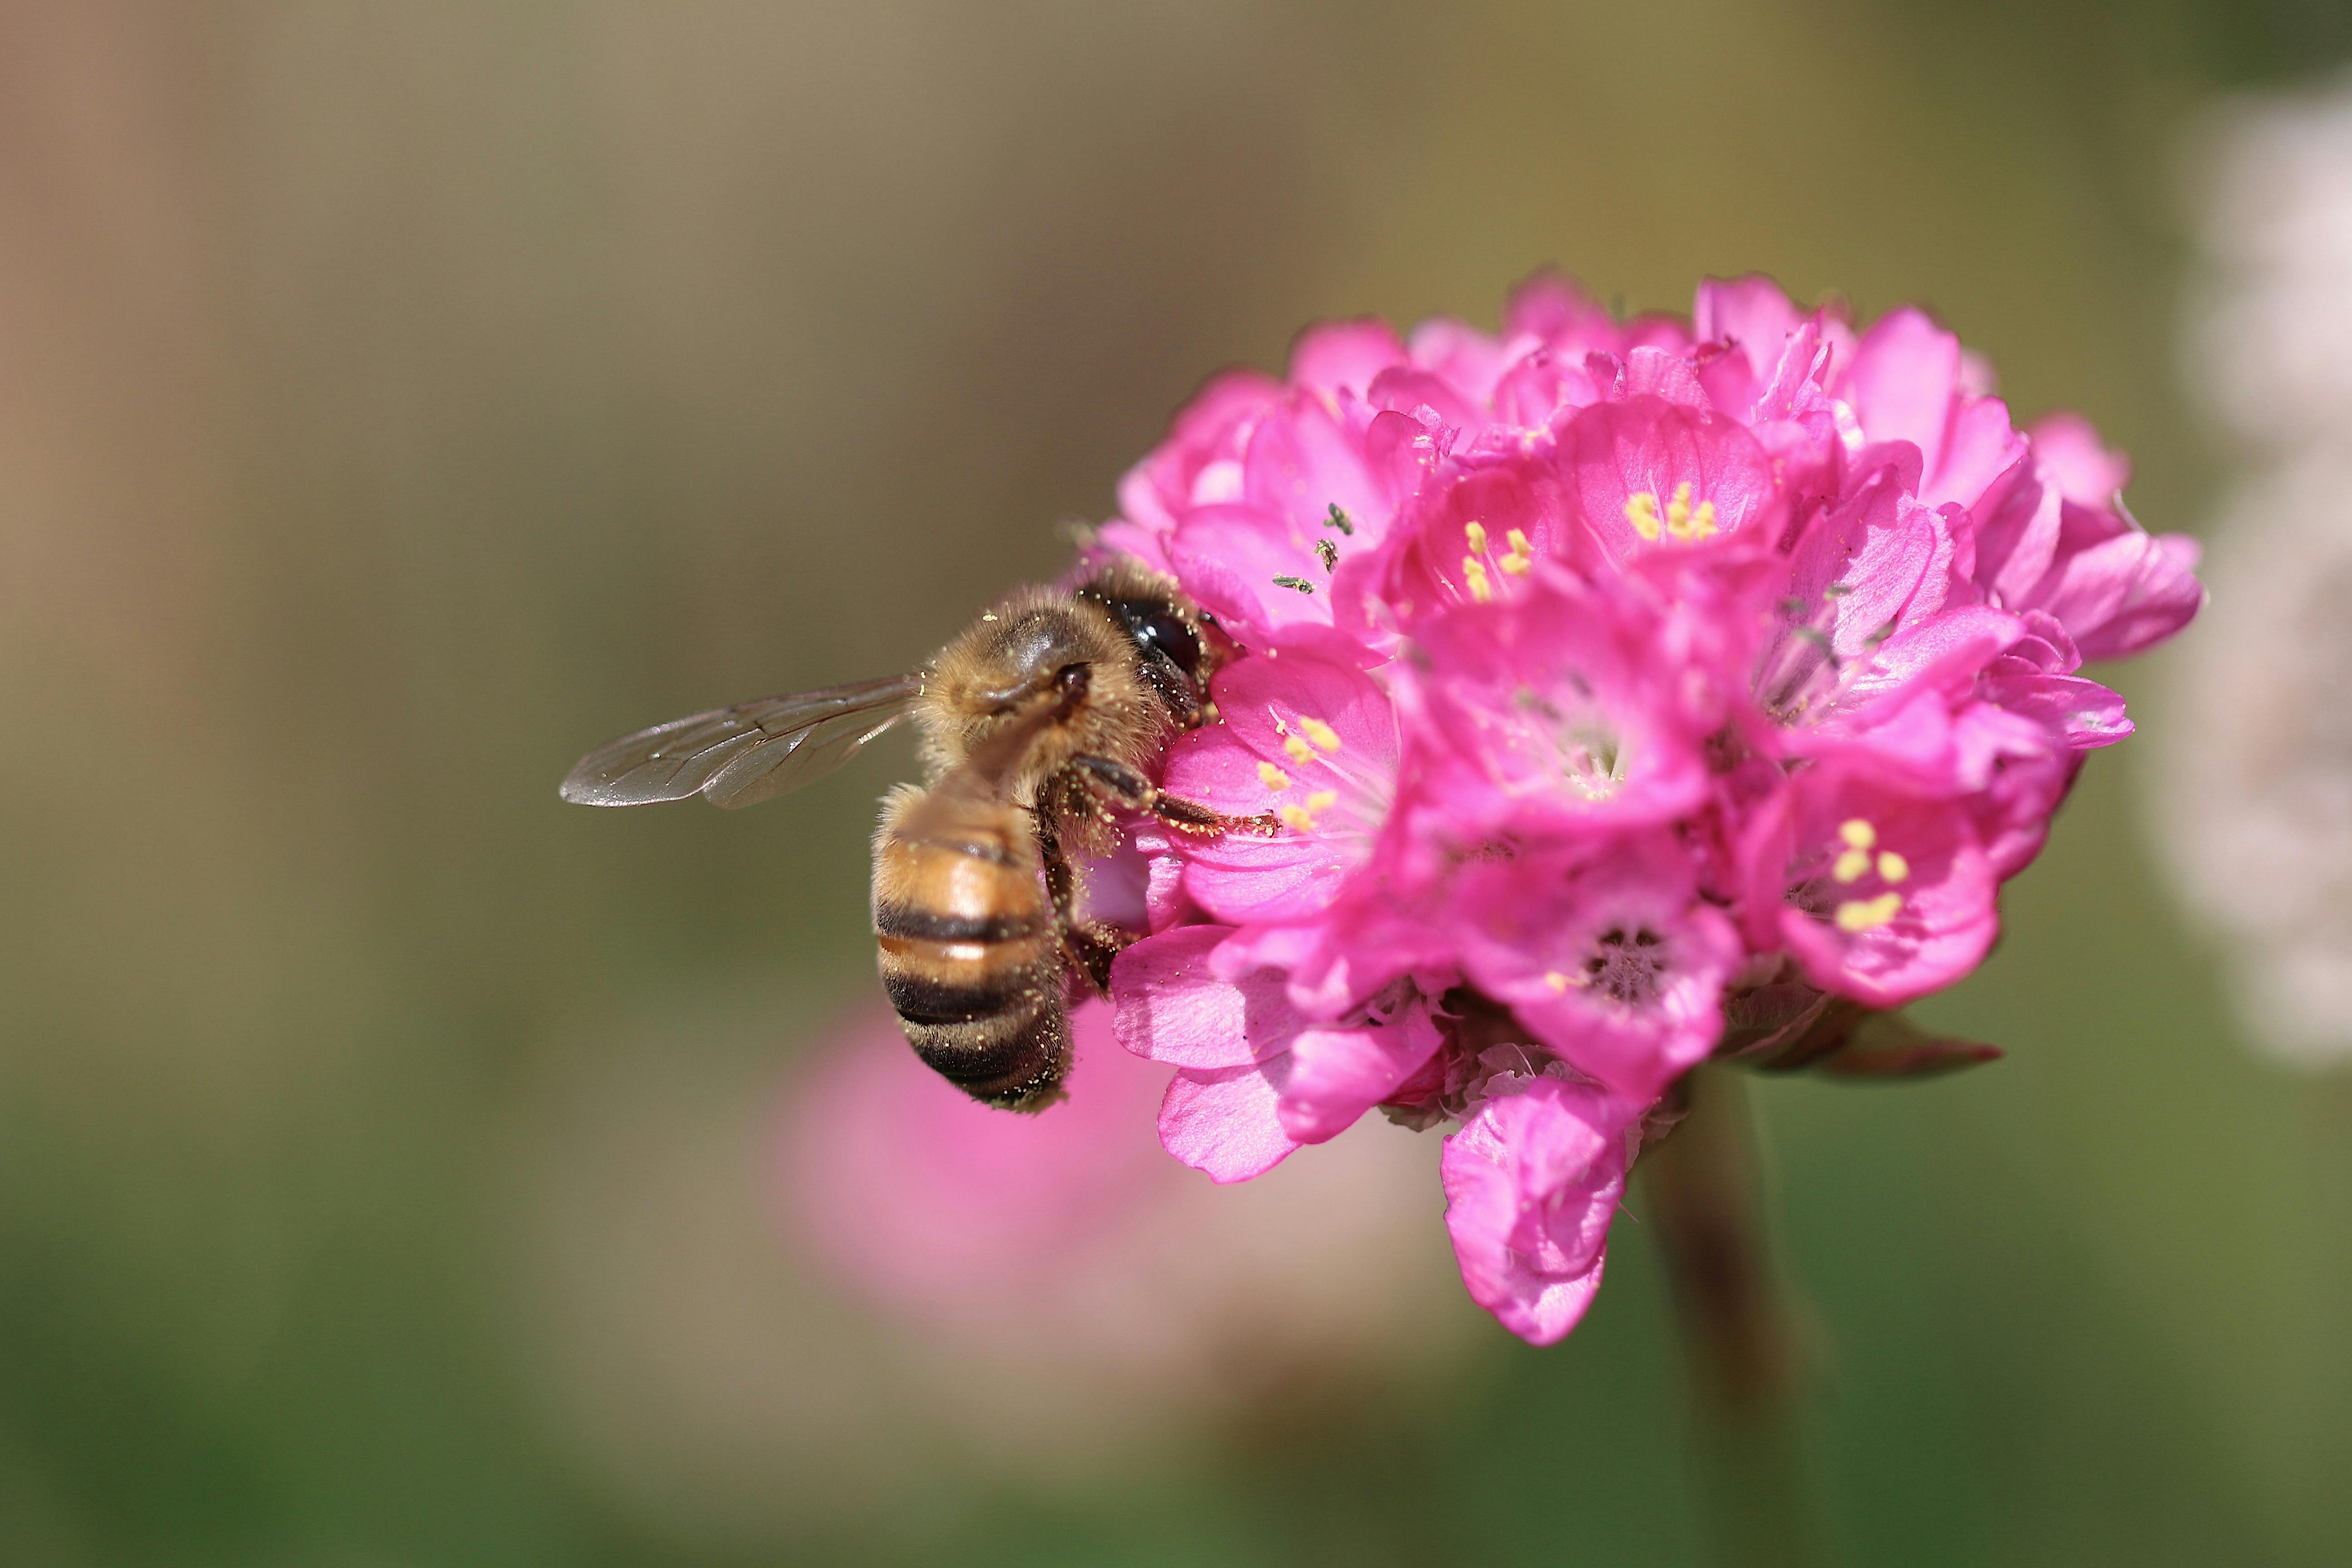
1039,720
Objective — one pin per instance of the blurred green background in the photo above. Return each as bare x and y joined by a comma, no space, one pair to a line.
396,399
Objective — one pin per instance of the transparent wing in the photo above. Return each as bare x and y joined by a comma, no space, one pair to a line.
744,754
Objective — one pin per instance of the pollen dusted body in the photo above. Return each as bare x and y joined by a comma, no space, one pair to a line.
1046,712
1044,717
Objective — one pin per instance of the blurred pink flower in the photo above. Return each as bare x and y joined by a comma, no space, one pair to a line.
935,1205
1068,1246
1601,673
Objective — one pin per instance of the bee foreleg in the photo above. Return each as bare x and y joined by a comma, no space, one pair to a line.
1132,790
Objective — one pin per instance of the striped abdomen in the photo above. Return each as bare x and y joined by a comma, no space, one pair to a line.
968,954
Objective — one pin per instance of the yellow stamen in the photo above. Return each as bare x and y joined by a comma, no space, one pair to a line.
1476,575
1893,868
1522,558
1641,512
1298,751
1320,733
1683,520
1475,533
1858,833
1852,866
1858,915
1556,980
1274,778
1295,817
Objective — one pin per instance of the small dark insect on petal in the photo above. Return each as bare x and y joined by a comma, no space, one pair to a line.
1301,584
1329,554
1339,520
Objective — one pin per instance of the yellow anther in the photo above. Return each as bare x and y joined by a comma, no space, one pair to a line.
1891,868
1475,533
1556,980
1858,833
1858,915
1852,866
1683,520
1522,558
1641,512
1274,778
1320,733
1323,800
1295,817
1474,573
1298,751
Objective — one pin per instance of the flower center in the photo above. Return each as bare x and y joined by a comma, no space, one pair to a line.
1680,520
1862,857
1516,561
1587,750
1802,673
1336,794
1623,965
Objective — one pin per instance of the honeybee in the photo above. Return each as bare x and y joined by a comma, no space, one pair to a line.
1039,721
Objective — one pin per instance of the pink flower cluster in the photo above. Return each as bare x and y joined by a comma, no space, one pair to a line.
1602,675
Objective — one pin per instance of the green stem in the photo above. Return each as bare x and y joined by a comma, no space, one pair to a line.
1706,1214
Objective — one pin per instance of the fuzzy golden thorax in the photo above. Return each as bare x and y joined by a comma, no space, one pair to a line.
1002,670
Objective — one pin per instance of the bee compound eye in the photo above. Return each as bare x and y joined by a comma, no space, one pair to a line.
1173,637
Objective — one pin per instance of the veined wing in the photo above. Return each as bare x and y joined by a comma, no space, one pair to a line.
741,755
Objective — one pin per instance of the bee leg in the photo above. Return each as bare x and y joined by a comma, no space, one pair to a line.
1090,945
1132,790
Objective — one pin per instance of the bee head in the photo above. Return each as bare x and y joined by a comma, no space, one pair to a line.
1168,628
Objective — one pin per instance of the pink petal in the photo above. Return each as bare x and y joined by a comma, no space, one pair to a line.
2128,593
1225,1122
1304,463
1648,446
1532,1183
1905,380
1173,1008
1751,314
2084,470
1981,448
1551,307
1333,355
1337,1074
1227,556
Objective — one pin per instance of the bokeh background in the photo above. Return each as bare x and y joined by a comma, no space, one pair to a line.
397,1168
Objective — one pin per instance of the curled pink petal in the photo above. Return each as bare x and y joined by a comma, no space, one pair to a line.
1532,1183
